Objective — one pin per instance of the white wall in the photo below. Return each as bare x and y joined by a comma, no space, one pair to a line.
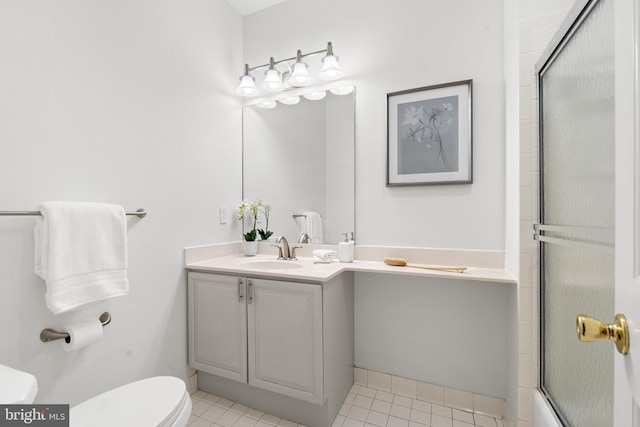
120,102
512,201
390,46
446,332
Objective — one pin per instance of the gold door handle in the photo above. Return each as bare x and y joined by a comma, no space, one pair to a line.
590,329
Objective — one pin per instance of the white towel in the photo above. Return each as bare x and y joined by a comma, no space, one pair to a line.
324,253
81,253
312,225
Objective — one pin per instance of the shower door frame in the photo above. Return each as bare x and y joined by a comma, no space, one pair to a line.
576,17
627,198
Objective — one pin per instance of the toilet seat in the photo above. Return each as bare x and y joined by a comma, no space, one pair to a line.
157,401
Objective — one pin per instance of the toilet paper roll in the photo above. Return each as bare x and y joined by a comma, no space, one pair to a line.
82,334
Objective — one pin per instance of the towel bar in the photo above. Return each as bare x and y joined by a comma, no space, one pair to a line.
51,335
140,213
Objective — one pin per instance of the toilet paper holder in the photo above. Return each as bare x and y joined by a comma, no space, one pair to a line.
51,335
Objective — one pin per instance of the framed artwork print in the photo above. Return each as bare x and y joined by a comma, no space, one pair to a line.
429,135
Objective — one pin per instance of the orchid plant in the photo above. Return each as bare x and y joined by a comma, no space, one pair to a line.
265,209
254,209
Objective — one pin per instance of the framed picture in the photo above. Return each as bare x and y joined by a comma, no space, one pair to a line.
429,135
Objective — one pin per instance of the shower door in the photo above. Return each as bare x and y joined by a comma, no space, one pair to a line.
588,248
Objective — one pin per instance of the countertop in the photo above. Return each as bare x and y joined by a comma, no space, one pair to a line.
267,265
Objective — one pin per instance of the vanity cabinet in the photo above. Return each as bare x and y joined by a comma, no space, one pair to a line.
267,333
279,346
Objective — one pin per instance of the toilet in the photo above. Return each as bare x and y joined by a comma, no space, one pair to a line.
154,402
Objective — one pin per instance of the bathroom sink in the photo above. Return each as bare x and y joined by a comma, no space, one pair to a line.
265,264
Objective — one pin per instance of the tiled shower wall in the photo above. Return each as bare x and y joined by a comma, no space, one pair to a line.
535,35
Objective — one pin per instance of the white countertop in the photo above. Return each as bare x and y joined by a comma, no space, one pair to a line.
267,265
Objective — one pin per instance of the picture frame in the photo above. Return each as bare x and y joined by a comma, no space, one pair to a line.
429,135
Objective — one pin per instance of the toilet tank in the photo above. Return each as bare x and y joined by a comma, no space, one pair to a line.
17,387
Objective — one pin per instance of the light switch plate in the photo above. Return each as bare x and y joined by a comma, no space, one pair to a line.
223,214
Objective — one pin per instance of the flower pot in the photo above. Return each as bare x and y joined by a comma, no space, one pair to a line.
250,248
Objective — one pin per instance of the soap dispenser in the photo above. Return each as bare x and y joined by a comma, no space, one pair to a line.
345,249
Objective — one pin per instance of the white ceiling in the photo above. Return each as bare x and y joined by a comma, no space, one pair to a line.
245,7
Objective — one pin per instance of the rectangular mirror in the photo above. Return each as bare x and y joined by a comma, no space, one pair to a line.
300,159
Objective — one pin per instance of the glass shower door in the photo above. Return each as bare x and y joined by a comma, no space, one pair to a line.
576,230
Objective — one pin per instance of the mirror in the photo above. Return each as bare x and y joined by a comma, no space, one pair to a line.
299,159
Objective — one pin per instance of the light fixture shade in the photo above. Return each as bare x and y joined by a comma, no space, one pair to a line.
267,105
330,68
247,86
292,100
315,96
272,81
296,75
300,75
342,90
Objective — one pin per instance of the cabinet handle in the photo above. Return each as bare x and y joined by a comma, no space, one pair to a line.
240,290
250,291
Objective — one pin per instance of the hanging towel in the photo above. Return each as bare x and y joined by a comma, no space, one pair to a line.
312,225
81,253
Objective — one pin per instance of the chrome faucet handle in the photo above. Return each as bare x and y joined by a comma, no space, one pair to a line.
279,251
293,253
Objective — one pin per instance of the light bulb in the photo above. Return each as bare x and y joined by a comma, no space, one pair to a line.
315,96
300,75
272,81
330,68
247,86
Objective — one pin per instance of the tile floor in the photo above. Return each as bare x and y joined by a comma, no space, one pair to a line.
363,407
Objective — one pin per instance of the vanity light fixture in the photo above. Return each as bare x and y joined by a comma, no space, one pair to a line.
298,70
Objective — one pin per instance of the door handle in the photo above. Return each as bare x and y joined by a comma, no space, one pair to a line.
590,329
250,291
240,290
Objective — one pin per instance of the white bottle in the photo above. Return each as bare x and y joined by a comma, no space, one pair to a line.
345,250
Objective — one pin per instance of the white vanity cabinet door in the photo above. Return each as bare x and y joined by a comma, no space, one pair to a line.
218,325
285,338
